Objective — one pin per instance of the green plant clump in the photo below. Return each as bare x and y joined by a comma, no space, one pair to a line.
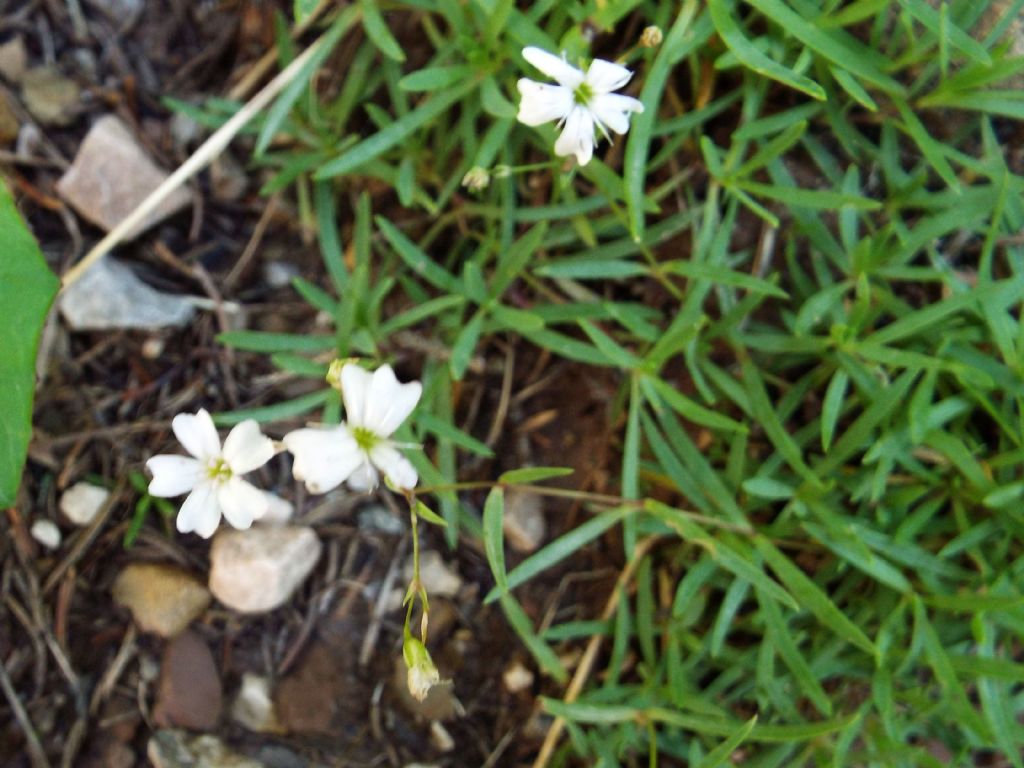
802,266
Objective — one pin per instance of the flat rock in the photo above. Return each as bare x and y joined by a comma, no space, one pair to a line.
189,694
49,96
164,599
13,59
82,502
308,701
109,295
437,577
524,522
112,174
176,749
257,570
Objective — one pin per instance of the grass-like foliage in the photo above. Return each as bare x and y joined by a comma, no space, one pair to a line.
804,266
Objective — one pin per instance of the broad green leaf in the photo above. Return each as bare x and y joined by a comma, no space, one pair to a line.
27,288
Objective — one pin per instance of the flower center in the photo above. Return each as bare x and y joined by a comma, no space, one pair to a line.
583,93
218,469
365,438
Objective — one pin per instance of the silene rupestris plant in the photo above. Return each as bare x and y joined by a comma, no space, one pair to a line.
782,241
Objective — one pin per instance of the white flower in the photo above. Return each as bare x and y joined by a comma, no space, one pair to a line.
579,102
211,478
357,451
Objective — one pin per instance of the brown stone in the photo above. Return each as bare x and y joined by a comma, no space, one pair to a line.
112,174
163,598
307,700
189,694
9,125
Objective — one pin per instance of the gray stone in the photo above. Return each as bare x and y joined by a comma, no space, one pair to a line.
524,523
109,295
171,748
112,174
163,599
257,570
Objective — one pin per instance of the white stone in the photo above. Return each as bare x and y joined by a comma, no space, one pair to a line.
437,577
279,511
82,502
440,738
109,295
112,174
517,677
524,523
254,707
46,533
257,570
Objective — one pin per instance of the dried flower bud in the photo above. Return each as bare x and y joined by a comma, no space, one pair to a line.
651,37
423,674
476,179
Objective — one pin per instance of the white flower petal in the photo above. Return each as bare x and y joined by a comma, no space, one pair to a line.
612,110
364,478
197,433
200,512
554,67
246,448
577,136
324,458
389,403
355,390
543,103
173,475
398,469
604,76
241,502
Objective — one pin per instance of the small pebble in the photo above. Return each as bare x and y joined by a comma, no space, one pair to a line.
46,533
253,707
440,738
438,578
517,677
82,502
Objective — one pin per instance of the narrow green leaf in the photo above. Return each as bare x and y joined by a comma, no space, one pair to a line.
811,597
752,58
395,133
530,475
378,32
261,341
494,536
